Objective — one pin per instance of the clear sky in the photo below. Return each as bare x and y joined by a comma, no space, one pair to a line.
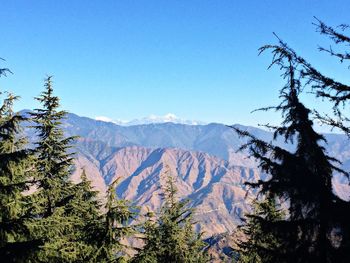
130,59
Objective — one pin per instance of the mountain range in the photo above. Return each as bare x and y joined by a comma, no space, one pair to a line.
209,171
170,117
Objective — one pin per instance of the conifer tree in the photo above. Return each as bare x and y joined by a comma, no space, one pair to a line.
56,196
15,172
172,238
112,227
72,221
315,230
16,176
152,239
88,207
323,86
256,239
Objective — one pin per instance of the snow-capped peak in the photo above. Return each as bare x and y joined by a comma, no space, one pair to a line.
170,117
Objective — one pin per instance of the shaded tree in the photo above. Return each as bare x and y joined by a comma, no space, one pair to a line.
314,230
323,86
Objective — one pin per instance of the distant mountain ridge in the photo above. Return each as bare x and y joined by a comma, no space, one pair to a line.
214,138
170,117
203,158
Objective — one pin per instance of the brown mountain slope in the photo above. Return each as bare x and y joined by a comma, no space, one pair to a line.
213,186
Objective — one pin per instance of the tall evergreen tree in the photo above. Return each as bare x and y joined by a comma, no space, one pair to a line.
314,230
56,196
16,176
72,221
172,238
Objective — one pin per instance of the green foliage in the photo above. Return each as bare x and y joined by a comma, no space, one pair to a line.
258,242
44,216
68,218
16,175
171,237
85,206
112,228
59,203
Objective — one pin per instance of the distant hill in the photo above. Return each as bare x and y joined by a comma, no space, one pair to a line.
215,139
214,186
203,158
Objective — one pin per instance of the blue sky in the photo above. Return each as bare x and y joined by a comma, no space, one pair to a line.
130,59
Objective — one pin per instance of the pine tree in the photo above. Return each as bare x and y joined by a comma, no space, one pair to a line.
314,230
14,180
71,219
112,229
317,82
56,196
86,205
172,238
152,239
16,175
257,242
